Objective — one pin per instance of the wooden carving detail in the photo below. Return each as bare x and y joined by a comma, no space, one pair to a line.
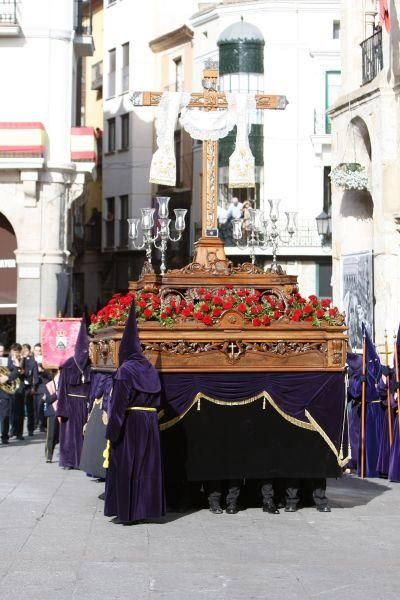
282,347
210,148
337,352
234,349
106,352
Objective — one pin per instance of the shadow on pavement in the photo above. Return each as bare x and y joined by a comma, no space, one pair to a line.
351,491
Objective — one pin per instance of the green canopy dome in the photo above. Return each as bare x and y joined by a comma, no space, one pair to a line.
241,49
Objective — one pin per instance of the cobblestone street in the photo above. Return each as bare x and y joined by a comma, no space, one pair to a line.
56,543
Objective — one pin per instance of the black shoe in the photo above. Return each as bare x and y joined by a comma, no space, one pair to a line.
269,507
232,509
290,508
216,509
5,441
30,434
20,437
49,460
324,509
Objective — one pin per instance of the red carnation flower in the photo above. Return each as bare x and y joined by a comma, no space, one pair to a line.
216,312
186,312
308,319
277,314
266,320
217,301
320,313
312,297
172,302
280,305
325,302
241,307
168,310
178,310
241,293
200,291
308,309
228,304
221,292
147,313
290,300
297,312
296,317
207,296
204,307
256,322
254,310
163,315
332,312
207,320
142,304
197,315
229,286
249,300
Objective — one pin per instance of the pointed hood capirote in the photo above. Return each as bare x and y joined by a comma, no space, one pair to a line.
133,364
81,352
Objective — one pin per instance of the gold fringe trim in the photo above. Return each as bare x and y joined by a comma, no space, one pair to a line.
293,420
327,439
76,396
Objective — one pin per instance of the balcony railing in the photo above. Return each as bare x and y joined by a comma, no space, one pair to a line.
110,234
322,123
82,22
8,12
372,56
97,75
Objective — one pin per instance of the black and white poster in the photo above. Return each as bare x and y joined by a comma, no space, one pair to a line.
357,295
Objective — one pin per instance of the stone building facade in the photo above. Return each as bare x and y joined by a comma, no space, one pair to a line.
365,130
45,158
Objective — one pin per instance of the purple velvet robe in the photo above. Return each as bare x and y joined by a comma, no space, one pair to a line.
73,409
134,482
73,401
394,461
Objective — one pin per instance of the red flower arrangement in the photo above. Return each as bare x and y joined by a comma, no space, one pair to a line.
207,306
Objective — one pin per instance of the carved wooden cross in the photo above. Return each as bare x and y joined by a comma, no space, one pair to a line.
210,99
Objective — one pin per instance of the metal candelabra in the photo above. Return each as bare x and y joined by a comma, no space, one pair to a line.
162,235
264,233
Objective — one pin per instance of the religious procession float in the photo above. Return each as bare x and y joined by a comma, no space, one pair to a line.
252,372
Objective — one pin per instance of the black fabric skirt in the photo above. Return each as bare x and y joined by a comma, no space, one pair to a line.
247,441
94,443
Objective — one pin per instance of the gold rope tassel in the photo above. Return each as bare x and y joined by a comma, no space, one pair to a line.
106,455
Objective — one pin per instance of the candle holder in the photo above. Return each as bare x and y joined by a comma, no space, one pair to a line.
264,233
162,236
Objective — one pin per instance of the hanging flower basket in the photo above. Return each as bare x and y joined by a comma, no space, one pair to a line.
350,176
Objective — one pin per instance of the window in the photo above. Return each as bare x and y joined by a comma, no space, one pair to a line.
332,90
125,67
123,223
125,131
336,30
111,135
327,190
111,72
323,279
109,223
178,74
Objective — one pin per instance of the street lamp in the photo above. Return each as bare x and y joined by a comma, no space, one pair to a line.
324,225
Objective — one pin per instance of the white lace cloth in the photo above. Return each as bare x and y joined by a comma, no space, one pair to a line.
163,164
211,125
241,161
